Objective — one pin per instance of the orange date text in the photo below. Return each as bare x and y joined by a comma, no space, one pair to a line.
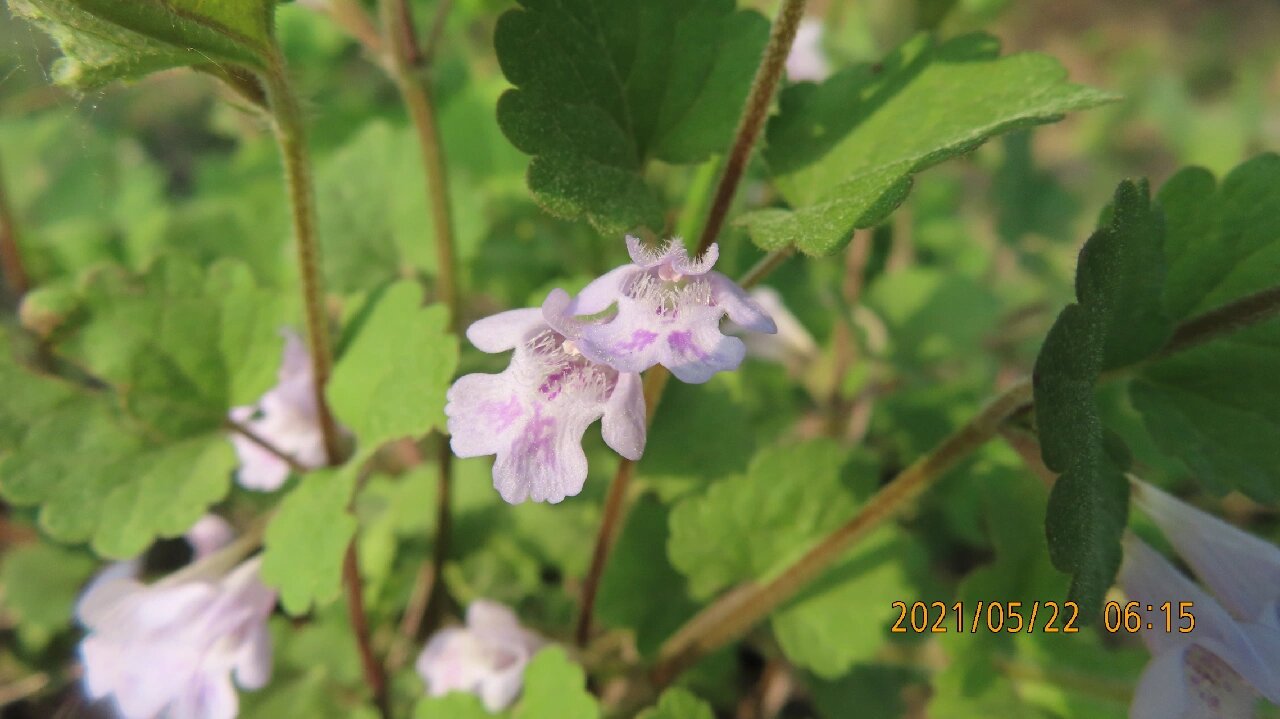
982,616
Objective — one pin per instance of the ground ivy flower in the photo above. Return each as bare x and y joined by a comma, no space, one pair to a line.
486,658
534,413
791,346
1232,656
807,61
286,417
170,649
668,312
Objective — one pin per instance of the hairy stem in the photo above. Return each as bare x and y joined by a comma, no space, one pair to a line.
615,503
352,587
408,63
753,117
15,273
735,612
291,136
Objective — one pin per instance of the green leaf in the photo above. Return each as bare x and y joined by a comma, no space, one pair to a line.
1217,407
40,585
633,566
555,688
678,703
308,537
105,40
843,153
678,457
875,690
391,380
1118,320
375,226
95,477
843,617
456,705
181,345
780,517
604,86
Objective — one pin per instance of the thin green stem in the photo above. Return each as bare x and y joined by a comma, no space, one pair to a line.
408,63
290,134
730,616
753,116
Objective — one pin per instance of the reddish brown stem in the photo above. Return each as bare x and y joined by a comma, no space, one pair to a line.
15,273
352,588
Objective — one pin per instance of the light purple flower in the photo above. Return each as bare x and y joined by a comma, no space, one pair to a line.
1232,656
486,658
791,345
286,417
209,534
170,649
669,308
534,413
807,61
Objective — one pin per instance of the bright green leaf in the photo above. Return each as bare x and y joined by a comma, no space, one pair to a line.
308,537
604,86
40,584
391,380
555,688
843,153
678,703
455,705
781,517
95,477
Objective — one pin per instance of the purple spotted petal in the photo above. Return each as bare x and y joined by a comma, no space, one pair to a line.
1192,683
533,415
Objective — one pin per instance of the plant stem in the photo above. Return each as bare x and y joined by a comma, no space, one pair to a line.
262,442
615,502
291,136
353,587
655,381
742,607
753,116
15,273
408,64
738,611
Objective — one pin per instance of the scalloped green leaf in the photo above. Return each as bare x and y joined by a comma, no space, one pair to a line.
678,703
555,688
1118,320
1217,407
843,153
307,539
391,380
605,86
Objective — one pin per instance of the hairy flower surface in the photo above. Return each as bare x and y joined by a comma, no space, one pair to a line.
534,413
668,312
486,658
170,649
1219,669
287,418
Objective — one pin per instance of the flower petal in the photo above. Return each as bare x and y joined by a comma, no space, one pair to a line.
686,265
1191,683
647,257
696,351
505,330
601,292
500,688
1242,570
209,534
624,425
253,661
545,461
741,308
483,411
1252,650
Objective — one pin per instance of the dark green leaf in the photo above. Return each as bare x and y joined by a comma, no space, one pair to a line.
604,86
